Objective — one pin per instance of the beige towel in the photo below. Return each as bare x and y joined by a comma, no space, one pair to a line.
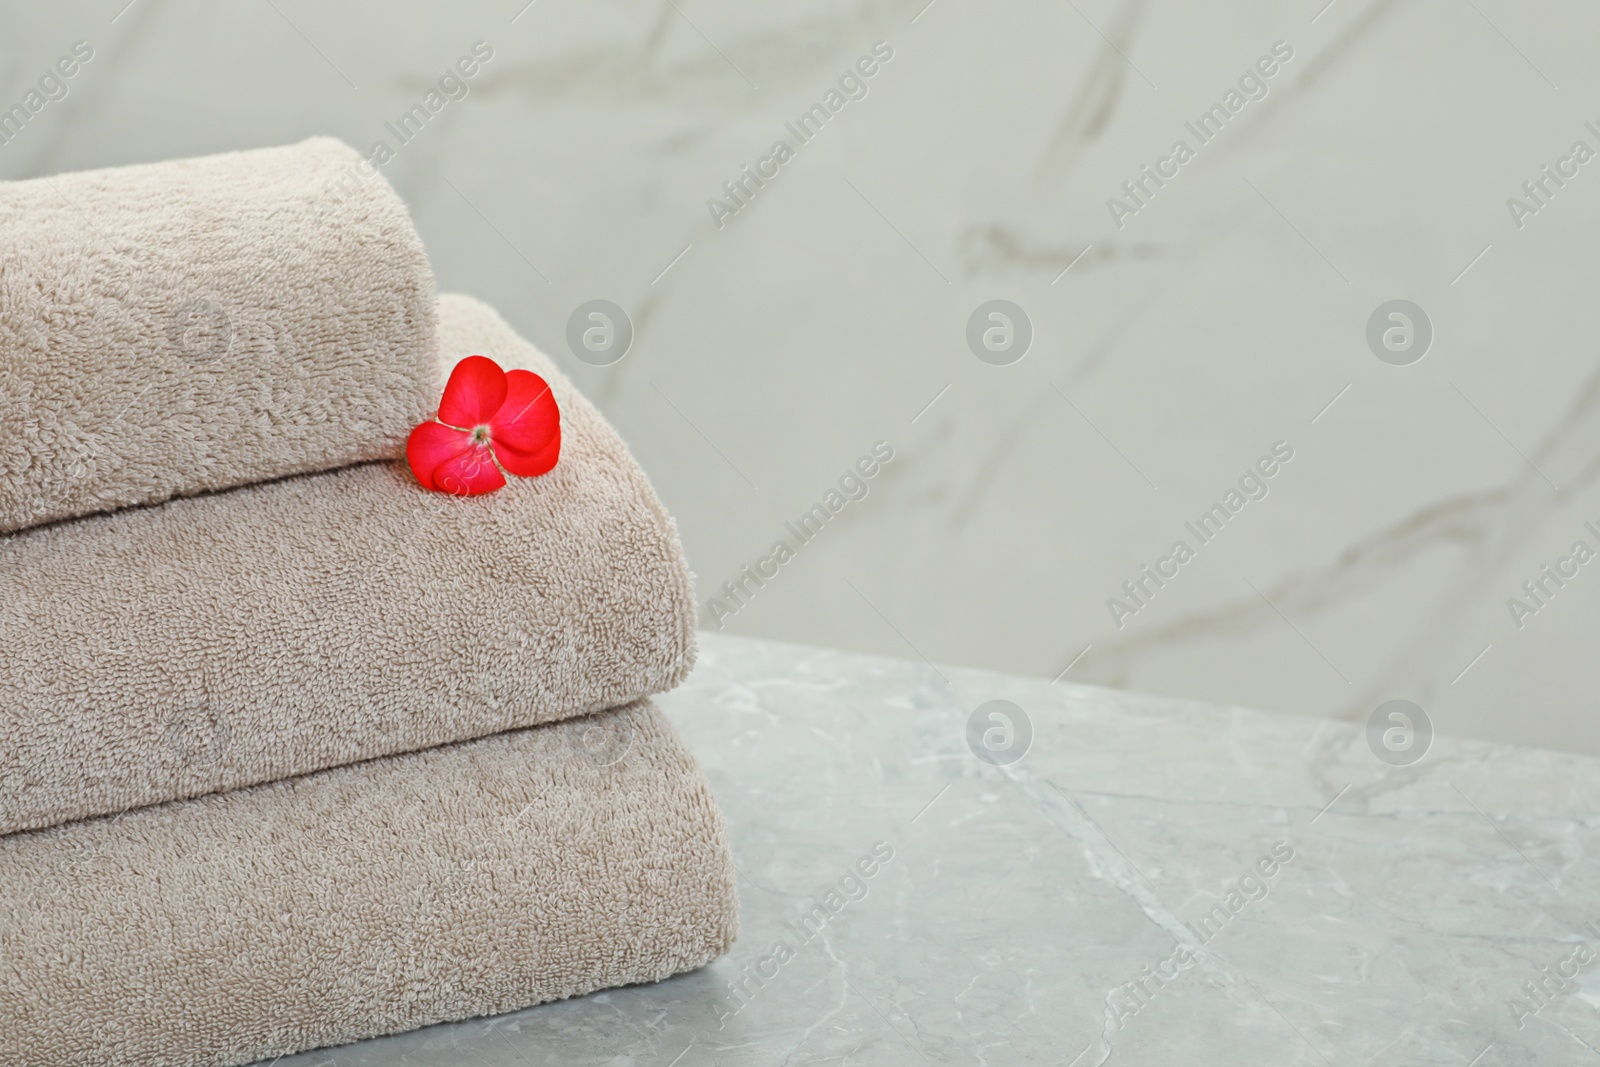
221,641
178,327
468,880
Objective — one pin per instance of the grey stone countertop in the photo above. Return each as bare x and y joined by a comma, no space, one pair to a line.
1154,881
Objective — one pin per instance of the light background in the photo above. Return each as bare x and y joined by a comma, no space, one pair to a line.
1223,317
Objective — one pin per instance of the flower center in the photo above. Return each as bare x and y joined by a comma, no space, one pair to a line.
480,435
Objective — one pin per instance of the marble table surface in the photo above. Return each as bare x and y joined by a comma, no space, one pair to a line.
1102,877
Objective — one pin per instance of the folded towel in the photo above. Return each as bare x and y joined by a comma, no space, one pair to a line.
221,641
178,327
468,880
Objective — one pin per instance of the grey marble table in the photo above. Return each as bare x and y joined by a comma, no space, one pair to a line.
1153,882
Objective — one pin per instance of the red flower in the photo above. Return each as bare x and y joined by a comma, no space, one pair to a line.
490,423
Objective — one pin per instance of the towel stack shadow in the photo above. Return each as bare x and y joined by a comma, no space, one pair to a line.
293,751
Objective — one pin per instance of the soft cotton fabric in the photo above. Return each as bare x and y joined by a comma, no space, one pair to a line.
468,880
221,641
185,326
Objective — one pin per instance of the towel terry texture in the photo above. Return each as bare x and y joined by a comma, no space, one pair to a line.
178,327
220,641
463,881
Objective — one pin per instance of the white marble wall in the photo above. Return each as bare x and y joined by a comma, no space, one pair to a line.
1221,318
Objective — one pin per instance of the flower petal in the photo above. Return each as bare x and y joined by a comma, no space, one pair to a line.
432,444
529,464
469,474
476,389
529,419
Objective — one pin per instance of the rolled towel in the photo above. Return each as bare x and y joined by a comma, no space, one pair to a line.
468,880
222,641
179,327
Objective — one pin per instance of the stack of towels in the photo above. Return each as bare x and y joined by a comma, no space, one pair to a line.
294,751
